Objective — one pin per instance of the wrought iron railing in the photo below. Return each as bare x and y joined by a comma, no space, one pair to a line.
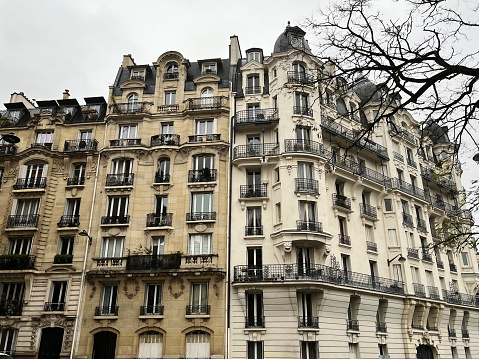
411,163
452,267
161,178
407,220
310,226
169,75
159,219
252,89
125,142
465,333
63,259
204,138
54,307
341,201
20,221
419,290
11,307
298,77
254,190
149,262
8,150
451,332
151,310
130,107
256,150
17,261
201,216
30,183
344,239
308,322
106,310
204,175
206,103
256,321
372,246
426,256
454,297
203,309
352,324
408,188
381,327
440,264
256,116
253,230
401,132
303,111
69,221
433,292
80,145
431,328
417,326
115,219
306,146
413,253
76,181
421,225
306,185
440,180
374,176
368,210
398,156
45,145
165,140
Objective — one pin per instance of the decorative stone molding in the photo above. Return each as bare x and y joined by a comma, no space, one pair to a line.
176,287
134,281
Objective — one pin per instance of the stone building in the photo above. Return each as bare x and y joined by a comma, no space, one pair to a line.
332,233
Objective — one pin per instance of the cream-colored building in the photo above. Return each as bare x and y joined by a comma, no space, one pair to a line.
333,234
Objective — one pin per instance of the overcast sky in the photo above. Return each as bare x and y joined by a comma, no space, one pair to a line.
52,45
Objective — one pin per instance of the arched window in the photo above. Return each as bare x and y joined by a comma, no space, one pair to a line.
163,172
207,97
151,344
171,71
132,103
197,344
424,352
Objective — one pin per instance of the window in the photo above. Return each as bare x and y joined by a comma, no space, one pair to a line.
397,272
127,131
302,134
44,138
34,175
203,167
388,205
209,68
112,247
253,221
199,244
301,104
153,299
109,300
170,98
157,245
1,176
117,210
78,174
307,211
207,97
57,296
199,298
65,246
8,338
343,232
138,74
25,212
415,275
253,85
255,350
304,260
151,345
278,212
203,127
254,55
308,350
299,71
132,103
276,174
369,233
71,214
305,170
202,202
163,173
161,204
20,245
307,311
167,128
197,345
465,259
171,71
275,73
255,257
254,310
12,299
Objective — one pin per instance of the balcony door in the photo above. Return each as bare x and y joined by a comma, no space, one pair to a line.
78,173
207,97
253,179
153,299
305,170
20,246
26,207
199,298
255,261
202,202
132,104
254,310
72,208
253,219
109,299
307,211
299,71
117,206
122,167
33,174
253,143
302,134
301,102
51,343
303,260
203,162
161,205
58,295
305,308
128,131
157,245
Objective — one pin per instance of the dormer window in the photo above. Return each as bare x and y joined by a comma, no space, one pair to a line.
138,74
171,71
255,55
296,41
209,68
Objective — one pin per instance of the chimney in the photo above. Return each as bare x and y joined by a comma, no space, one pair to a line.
128,61
235,51
66,94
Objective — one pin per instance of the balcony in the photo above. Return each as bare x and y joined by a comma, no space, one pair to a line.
341,201
125,142
212,137
372,247
76,181
407,220
159,219
433,292
368,210
440,264
254,191
306,146
200,259
408,188
30,183
398,156
373,175
131,108
151,310
421,225
90,113
419,290
16,262
344,239
69,221
63,259
80,145
149,262
256,116
165,140
303,111
426,256
194,309
118,180
249,90
168,108
11,307
44,145
452,267
203,175
306,185
200,216
465,333
381,327
432,328
352,324
318,273
309,226
417,326
170,75
440,180
7,150
206,103
23,221
256,150
109,262
256,321
411,163
451,332
54,307
253,231
301,78
413,253
162,178
111,310
401,132
115,219
308,322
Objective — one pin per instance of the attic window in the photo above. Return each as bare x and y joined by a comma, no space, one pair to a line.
209,69
254,55
138,75
171,71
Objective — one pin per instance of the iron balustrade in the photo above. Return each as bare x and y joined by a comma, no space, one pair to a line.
149,262
63,259
256,321
331,104
17,261
316,272
194,309
256,116
69,221
199,258
168,108
408,188
80,145
348,164
90,113
125,142
436,235
419,290
256,150
465,333
107,310
206,103
352,324
440,264
54,307
165,140
201,216
308,322
398,156
170,75
355,117
413,253
310,226
76,181
451,332
433,292
371,246
45,145
381,327
407,220
431,328
401,132
452,267
427,257
30,183
454,297
151,310
374,176
344,239
130,107
417,326
159,219
123,179
412,163
303,111
8,150
368,210
372,147
306,185
306,146
115,219
252,89
440,180
253,230
300,77
254,191
421,225
341,201
203,175
162,178
204,138
21,221
11,307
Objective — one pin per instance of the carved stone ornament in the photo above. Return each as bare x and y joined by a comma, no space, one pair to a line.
92,284
52,321
134,281
176,287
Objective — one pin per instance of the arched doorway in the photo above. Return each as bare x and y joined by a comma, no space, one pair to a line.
104,345
424,352
51,343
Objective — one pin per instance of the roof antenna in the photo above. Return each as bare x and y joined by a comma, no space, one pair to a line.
288,23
